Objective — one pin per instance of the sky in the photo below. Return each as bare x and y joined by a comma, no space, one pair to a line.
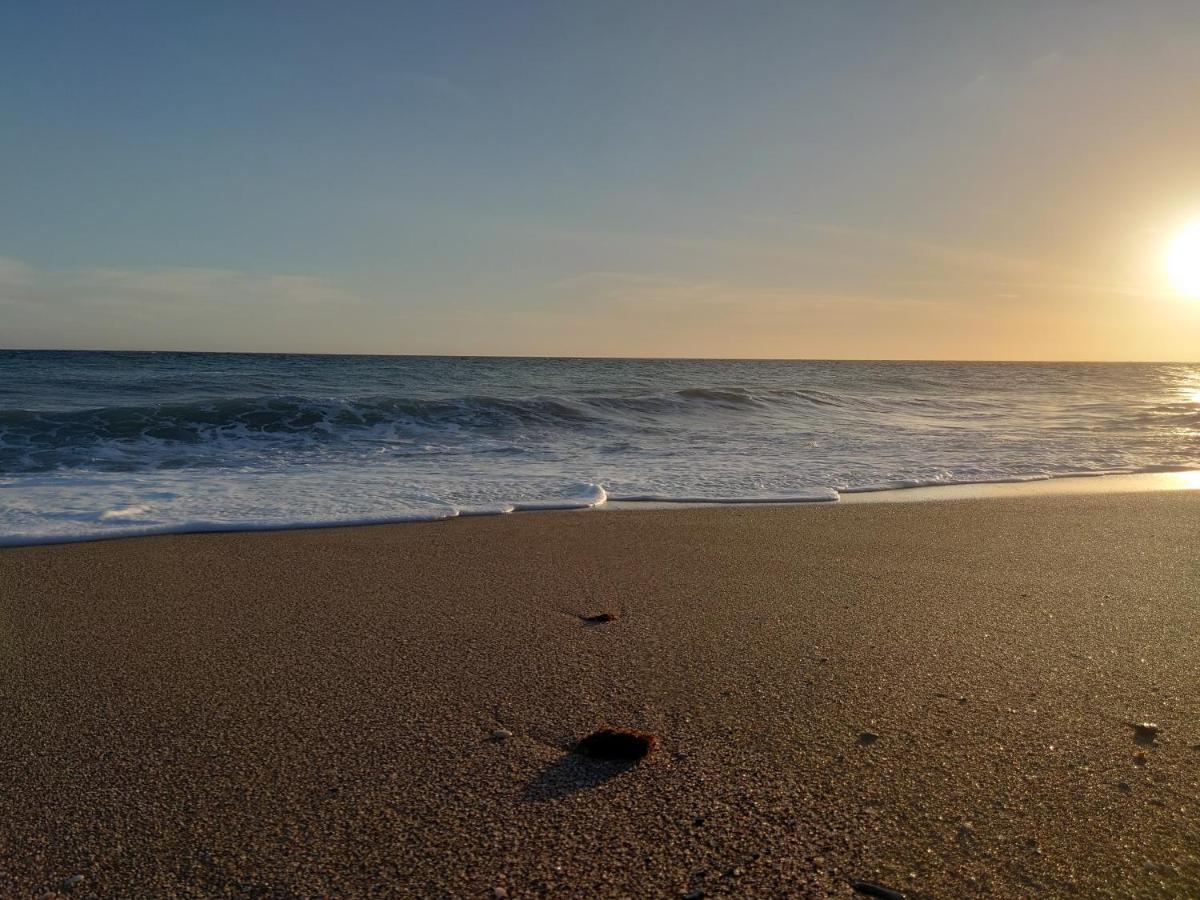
846,179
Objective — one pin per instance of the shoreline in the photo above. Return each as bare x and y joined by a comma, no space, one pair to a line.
391,709
1051,485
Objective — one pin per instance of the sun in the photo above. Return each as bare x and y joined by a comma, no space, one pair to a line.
1183,260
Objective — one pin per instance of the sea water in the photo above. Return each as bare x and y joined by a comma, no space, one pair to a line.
99,444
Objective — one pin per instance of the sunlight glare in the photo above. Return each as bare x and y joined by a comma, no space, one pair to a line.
1183,260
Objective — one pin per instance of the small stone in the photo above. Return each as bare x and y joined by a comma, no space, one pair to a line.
870,889
1123,787
1139,758
1145,733
621,744
600,618
501,734
499,891
867,738
72,882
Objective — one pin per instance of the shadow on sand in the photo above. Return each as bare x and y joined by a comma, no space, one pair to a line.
571,773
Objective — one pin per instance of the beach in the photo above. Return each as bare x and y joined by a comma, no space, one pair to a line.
935,698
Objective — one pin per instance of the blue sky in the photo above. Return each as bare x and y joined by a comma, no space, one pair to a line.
863,179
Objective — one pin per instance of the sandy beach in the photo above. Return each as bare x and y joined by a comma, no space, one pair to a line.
936,698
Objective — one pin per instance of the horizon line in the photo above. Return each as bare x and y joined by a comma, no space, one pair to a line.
569,357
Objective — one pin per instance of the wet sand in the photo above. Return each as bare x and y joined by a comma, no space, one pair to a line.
386,710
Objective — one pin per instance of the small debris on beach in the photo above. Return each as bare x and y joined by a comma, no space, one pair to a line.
1145,733
499,892
600,618
501,734
870,889
1124,787
69,884
958,698
867,738
617,744
1139,758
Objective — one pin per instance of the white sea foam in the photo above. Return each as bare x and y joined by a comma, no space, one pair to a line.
128,512
53,512
819,496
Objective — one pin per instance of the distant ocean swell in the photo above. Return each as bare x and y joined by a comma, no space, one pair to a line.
98,445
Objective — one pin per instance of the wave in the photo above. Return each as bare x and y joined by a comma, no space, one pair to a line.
106,446
242,430
135,435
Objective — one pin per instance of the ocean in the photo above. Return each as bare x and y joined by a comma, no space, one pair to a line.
96,444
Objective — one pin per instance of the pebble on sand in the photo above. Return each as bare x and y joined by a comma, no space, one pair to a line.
1145,732
600,618
501,734
870,889
867,738
70,883
618,744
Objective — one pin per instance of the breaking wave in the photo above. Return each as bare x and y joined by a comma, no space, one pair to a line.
222,430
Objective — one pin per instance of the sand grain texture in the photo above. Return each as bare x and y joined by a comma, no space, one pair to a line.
323,712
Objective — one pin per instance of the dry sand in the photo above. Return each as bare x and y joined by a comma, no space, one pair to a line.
324,712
